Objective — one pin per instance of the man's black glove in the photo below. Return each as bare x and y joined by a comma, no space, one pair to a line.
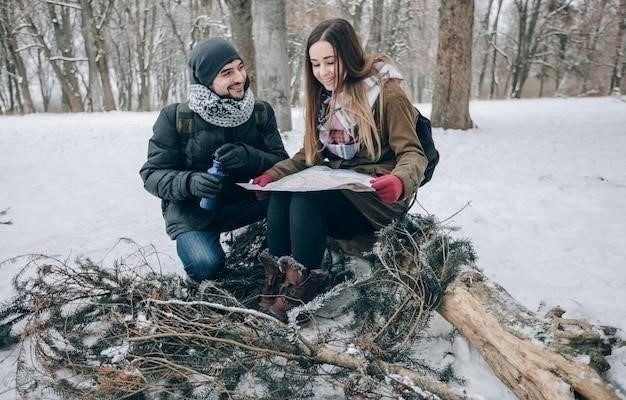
232,156
202,184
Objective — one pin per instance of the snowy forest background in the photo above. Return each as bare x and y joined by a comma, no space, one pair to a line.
536,185
94,55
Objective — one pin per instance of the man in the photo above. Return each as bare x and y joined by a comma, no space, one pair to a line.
226,128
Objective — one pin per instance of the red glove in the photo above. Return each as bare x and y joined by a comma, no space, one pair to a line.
262,180
388,187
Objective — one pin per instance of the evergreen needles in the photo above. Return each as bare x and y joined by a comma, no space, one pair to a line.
126,331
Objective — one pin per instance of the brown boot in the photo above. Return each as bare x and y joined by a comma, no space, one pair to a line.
300,286
294,271
273,278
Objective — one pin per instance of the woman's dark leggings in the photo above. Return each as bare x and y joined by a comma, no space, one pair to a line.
298,223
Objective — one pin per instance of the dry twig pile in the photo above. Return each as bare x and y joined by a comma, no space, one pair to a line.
89,331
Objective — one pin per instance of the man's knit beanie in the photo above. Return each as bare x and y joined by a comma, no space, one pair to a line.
208,57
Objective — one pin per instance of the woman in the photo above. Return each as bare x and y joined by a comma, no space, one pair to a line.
356,117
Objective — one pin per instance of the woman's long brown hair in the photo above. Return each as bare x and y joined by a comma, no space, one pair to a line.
350,92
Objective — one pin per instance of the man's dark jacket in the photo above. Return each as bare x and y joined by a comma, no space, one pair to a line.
173,157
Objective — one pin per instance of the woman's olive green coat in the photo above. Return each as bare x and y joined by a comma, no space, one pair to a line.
402,155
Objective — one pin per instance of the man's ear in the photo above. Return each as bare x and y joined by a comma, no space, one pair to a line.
246,84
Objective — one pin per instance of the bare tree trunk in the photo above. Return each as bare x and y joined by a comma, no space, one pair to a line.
177,35
11,105
421,85
164,77
390,34
422,26
618,64
175,70
526,44
494,56
94,89
146,22
124,63
357,17
126,75
591,45
374,40
272,61
65,44
562,46
486,41
201,25
22,80
454,63
296,79
66,77
543,74
102,58
3,102
15,63
241,29
353,12
45,87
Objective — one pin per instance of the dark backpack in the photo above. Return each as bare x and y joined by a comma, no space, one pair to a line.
425,135
185,123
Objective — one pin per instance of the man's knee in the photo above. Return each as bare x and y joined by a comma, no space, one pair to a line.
203,268
201,254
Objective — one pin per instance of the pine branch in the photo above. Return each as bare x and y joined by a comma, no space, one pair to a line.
126,329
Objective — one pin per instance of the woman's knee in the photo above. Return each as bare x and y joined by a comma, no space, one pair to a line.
278,203
308,201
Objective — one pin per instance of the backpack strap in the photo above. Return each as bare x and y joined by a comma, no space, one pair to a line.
185,124
184,119
425,136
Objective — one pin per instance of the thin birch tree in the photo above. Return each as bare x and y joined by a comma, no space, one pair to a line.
93,98
619,65
20,98
96,15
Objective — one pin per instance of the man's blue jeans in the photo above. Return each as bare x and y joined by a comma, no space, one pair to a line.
201,252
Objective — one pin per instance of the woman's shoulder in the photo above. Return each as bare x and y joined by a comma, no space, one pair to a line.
385,72
394,93
393,88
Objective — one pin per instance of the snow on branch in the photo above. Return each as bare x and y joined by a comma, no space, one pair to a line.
71,59
63,4
89,330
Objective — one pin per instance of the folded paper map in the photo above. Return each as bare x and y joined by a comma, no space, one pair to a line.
317,178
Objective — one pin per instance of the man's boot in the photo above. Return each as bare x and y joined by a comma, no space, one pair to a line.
272,281
300,286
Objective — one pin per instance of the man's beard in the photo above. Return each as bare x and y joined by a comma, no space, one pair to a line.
246,85
236,98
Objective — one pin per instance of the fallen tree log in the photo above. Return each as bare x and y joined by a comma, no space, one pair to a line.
537,358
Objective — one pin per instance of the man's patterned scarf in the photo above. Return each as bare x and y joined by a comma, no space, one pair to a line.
220,111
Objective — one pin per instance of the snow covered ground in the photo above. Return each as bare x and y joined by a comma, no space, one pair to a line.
540,186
